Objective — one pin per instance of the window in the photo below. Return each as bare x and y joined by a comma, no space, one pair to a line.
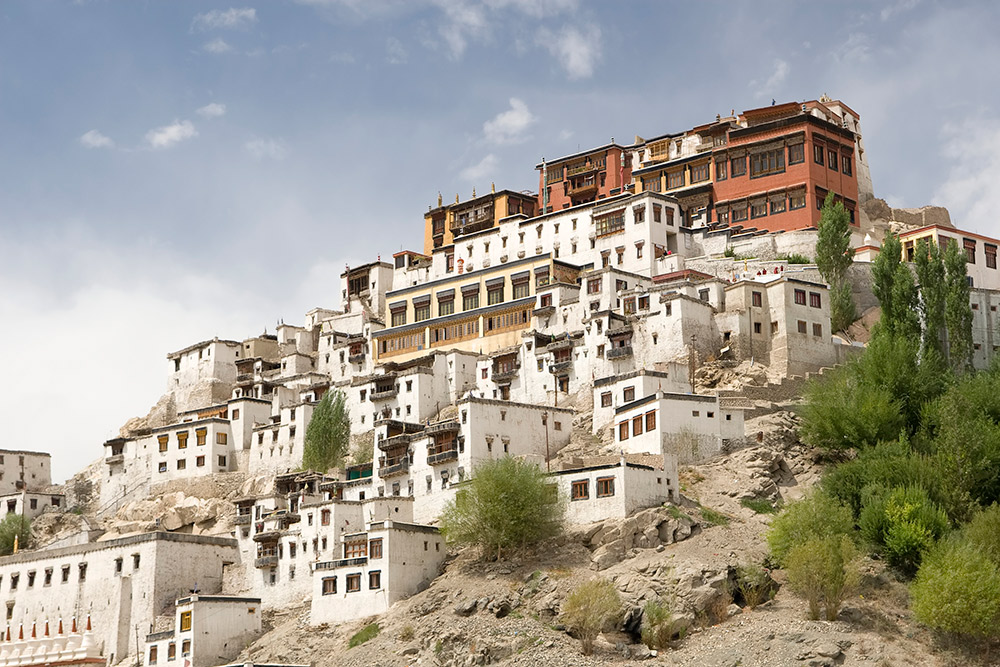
796,154
817,329
669,212
446,307
739,214
82,571
695,413
818,154
580,490
162,467
800,297
644,302
329,585
48,577
651,184
494,296
355,549
200,435
606,399
421,313
623,430
639,214
185,621
637,425
802,326
675,179
354,583
545,301
756,327
815,301
221,438
375,548
222,461
236,411
628,395
449,262
767,163
738,166
758,209
291,549
610,223
182,464
605,487
594,286
186,644
720,170
756,299
774,328
152,654
14,579
832,154
470,301
522,289
991,256
162,439
399,317
699,173
375,580
777,206
797,201
200,461
171,651
650,421
845,164
324,518
970,250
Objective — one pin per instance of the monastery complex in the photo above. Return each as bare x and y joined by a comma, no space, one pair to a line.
599,294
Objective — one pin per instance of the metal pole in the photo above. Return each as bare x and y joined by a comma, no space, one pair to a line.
545,423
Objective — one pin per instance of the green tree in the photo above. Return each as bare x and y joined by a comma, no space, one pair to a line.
328,435
817,515
902,524
588,608
931,278
895,290
824,570
834,257
14,525
957,589
508,504
958,312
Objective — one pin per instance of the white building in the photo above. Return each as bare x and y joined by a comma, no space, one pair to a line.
596,489
386,562
31,504
207,630
23,470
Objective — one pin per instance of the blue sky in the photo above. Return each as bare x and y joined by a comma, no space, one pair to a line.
172,171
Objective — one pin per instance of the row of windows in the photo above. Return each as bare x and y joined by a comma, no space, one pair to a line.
815,299
353,582
760,209
637,422
15,578
832,161
199,462
201,436
580,489
520,289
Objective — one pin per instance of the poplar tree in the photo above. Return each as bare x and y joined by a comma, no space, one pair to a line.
895,290
834,257
931,277
957,311
328,435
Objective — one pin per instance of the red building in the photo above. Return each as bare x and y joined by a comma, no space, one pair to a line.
583,177
768,168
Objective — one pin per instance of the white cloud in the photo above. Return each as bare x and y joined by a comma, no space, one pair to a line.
578,51
969,192
897,8
508,127
395,53
170,135
213,110
217,46
773,82
342,58
463,21
94,139
229,18
480,170
535,8
269,149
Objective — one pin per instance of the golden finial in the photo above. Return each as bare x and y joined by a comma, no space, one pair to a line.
439,199
456,197
493,187
473,192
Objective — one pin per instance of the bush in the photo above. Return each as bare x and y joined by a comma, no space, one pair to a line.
14,525
759,505
658,624
902,524
824,570
957,589
508,504
588,608
818,515
796,258
839,413
713,518
754,584
366,633
983,533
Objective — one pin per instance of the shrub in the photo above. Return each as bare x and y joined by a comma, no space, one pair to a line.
508,504
754,584
759,505
796,258
839,413
366,633
14,525
407,633
658,624
713,518
817,515
588,608
824,570
957,589
902,524
983,533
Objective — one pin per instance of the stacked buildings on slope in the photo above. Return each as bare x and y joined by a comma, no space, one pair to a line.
603,291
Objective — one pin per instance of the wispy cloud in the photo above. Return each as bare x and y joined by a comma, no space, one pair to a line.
577,50
774,80
508,127
266,149
969,191
217,46
395,53
227,19
481,170
342,58
897,8
171,135
463,20
213,110
94,139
